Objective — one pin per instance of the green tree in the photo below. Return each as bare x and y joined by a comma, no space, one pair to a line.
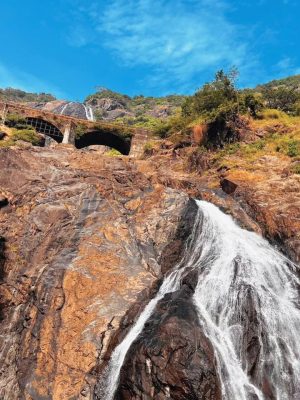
213,97
282,98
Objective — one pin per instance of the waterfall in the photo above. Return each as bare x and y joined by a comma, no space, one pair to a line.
64,107
89,112
247,295
240,269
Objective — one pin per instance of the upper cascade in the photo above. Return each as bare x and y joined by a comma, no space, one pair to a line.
69,108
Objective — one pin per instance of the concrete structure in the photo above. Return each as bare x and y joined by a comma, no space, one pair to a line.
79,132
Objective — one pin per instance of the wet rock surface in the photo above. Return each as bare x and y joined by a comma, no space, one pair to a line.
84,242
83,238
172,358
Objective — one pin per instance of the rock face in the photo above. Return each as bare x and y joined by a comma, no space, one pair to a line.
83,237
109,109
172,358
70,108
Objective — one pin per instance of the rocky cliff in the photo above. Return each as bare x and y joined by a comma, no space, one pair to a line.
82,237
85,240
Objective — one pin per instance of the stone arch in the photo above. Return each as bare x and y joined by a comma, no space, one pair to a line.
45,127
104,138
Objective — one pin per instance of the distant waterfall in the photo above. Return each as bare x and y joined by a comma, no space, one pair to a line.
247,291
89,112
65,107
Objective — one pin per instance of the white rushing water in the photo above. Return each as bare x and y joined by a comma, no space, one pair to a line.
246,292
65,107
89,112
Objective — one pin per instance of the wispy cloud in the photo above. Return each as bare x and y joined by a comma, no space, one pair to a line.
179,40
285,67
10,77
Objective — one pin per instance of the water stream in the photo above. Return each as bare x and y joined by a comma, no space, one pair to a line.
247,295
89,112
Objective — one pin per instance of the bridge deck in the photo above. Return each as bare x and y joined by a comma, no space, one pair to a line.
66,118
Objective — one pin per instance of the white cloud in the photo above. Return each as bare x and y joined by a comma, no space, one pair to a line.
285,64
285,67
178,39
10,77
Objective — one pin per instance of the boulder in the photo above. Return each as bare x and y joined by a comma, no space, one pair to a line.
172,358
228,186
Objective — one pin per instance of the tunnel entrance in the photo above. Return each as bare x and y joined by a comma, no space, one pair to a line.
105,139
46,128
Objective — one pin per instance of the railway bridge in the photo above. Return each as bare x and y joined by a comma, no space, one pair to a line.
79,132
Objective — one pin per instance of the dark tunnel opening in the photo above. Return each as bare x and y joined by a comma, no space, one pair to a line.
45,128
105,139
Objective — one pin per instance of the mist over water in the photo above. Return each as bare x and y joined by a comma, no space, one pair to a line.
247,299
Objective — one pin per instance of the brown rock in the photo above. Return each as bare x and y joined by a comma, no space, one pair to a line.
199,133
172,358
228,186
76,260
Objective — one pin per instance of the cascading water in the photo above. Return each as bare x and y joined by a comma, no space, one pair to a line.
89,112
247,301
65,107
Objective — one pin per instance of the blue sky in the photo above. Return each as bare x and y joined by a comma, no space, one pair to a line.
150,47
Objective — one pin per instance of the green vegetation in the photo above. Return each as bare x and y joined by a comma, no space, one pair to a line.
295,168
19,96
149,148
288,146
270,114
26,135
79,130
139,111
20,130
104,93
113,153
16,121
219,105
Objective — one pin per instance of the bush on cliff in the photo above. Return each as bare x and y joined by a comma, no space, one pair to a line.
27,135
218,105
211,100
281,98
16,121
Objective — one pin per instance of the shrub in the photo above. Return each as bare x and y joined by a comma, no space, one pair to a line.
16,121
281,97
217,94
113,153
27,135
297,109
79,130
251,103
293,149
295,169
289,147
270,113
176,123
149,148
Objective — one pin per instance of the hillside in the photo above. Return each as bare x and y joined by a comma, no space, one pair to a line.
119,276
289,82
137,110
20,96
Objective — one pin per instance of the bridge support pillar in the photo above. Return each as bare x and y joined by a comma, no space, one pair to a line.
4,113
69,135
138,143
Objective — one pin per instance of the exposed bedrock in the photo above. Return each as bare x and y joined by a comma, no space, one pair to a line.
84,236
172,358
